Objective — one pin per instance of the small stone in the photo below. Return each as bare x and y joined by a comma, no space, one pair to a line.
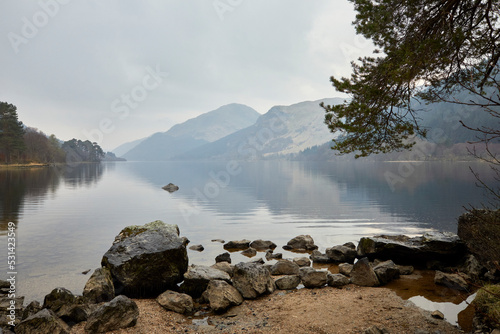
249,252
198,248
271,256
337,280
237,244
437,315
345,269
224,257
302,261
288,282
218,240
170,187
314,279
85,272
262,245
176,302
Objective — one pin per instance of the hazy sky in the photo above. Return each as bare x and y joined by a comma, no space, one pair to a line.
115,71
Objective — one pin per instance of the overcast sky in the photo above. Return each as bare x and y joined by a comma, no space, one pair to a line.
115,71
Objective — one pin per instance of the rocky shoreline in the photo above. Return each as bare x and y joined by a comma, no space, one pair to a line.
151,262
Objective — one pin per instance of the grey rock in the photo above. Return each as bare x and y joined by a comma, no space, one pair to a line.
121,312
31,309
318,257
472,267
197,277
222,295
362,274
337,280
197,248
271,256
224,257
386,271
146,260
301,243
305,270
341,254
58,298
237,244
405,270
99,288
224,266
249,252
314,279
262,245
452,281
302,261
43,322
285,267
176,302
170,187
252,280
288,282
345,269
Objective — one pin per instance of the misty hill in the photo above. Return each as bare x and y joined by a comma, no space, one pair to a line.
124,148
193,133
283,130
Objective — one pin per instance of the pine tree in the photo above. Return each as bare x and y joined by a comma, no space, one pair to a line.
11,133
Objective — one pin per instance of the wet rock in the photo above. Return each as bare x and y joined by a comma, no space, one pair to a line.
99,288
452,281
337,280
438,246
224,257
218,240
31,309
405,270
301,243
318,257
262,245
362,274
224,266
249,252
43,322
271,256
237,244
386,271
121,312
197,248
146,260
288,282
66,306
314,279
302,261
170,188
222,295
176,302
285,267
345,269
197,277
342,253
252,280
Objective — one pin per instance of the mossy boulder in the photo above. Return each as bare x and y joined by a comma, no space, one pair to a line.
487,305
147,260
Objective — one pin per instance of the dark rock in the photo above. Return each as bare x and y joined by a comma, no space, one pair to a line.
341,254
249,252
301,243
121,312
170,187
405,270
285,267
258,261
146,260
252,280
236,245
218,240
99,288
224,266
85,272
262,245
270,256
302,261
452,281
58,298
318,257
43,322
31,309
176,302
376,330
305,270
337,280
362,274
345,269
198,248
386,271
196,279
440,246
314,279
222,295
472,267
437,315
288,282
224,257
350,245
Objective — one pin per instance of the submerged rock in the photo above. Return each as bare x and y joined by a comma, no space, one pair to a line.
146,260
301,243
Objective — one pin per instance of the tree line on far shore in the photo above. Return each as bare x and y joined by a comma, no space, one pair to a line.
21,144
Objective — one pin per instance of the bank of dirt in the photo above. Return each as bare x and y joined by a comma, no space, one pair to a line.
352,309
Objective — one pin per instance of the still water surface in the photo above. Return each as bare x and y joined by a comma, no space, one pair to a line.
68,217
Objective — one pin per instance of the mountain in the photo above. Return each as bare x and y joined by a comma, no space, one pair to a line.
283,130
124,148
193,133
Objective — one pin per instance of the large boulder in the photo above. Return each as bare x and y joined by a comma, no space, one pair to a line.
285,267
121,312
99,288
315,279
146,260
386,271
432,246
252,280
43,322
176,302
342,253
301,243
197,277
222,295
362,274
345,269
337,280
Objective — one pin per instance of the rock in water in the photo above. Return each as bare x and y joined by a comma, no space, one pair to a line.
121,312
146,260
301,243
170,187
